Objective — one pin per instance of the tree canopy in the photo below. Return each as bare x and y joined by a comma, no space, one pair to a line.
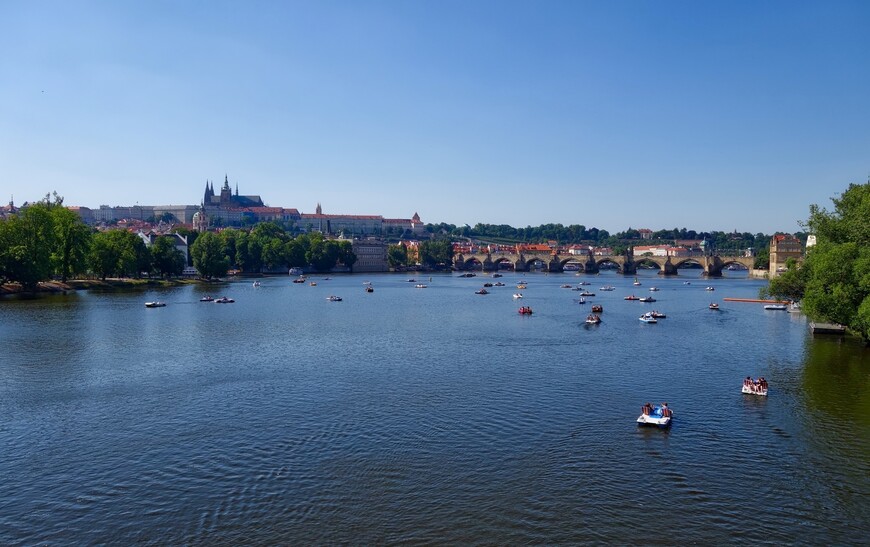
833,283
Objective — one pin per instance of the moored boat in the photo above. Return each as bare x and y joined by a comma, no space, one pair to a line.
206,298
648,318
525,310
155,304
592,319
333,298
224,300
518,295
631,297
597,308
713,306
647,299
778,307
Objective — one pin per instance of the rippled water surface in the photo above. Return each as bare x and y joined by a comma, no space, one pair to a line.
426,416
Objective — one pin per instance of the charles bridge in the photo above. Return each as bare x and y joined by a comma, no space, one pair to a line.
626,264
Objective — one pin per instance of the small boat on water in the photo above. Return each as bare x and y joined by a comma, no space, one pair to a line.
636,282
754,387
631,297
369,288
420,286
525,310
607,288
518,295
499,284
713,306
581,301
565,286
155,304
206,298
496,275
709,288
597,308
587,293
256,283
653,289
481,291
648,318
521,285
593,319
647,299
778,307
333,298
313,284
794,307
487,284
224,300
658,314
584,283
299,280
687,282
658,415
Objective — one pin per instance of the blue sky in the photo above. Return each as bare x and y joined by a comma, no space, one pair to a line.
645,114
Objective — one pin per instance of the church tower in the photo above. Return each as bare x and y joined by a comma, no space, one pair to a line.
319,209
226,193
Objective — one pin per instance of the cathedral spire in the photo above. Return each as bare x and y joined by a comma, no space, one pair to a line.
226,182
319,209
237,188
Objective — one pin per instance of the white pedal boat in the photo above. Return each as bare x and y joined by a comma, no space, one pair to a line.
658,417
753,390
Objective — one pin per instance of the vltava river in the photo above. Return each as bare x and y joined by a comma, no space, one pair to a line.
426,416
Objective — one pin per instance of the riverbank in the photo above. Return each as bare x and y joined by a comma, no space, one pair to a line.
92,284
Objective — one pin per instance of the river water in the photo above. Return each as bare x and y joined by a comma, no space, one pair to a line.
427,416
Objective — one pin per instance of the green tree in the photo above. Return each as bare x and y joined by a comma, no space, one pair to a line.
118,253
208,256
762,259
433,253
294,251
72,241
834,279
28,240
397,255
166,259
346,255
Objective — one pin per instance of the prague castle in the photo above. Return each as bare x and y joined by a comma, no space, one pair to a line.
230,209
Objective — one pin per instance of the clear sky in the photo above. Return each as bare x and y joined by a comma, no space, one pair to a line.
645,114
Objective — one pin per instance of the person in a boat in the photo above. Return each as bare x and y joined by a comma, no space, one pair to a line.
666,412
747,382
647,409
762,383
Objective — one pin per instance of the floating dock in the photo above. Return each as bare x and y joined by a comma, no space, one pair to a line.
827,328
756,301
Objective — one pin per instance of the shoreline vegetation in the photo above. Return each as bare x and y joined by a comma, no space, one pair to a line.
44,287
